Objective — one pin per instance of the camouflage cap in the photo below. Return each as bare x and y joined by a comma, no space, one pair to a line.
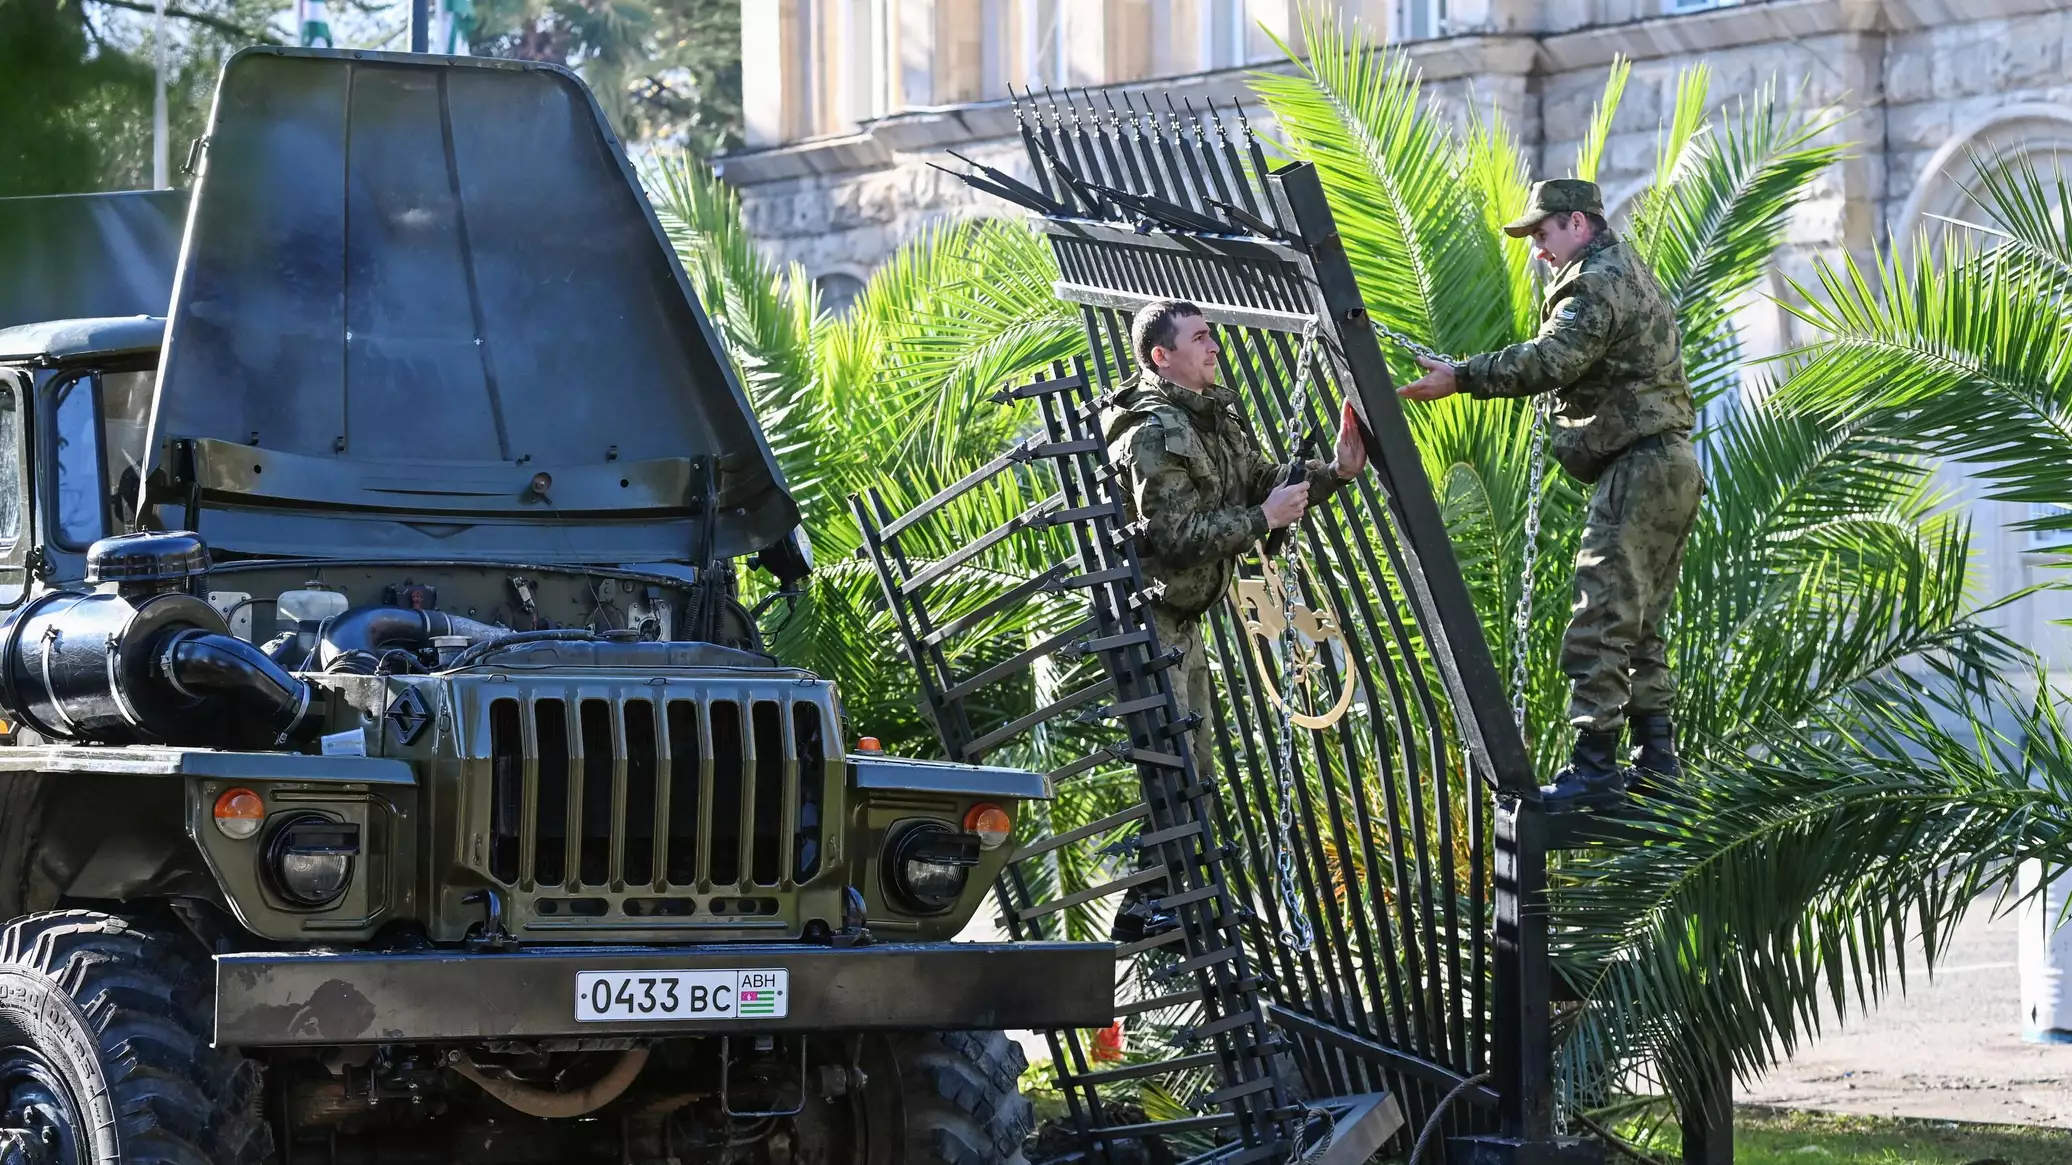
1555,196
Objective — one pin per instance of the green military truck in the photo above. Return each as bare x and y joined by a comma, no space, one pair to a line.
392,772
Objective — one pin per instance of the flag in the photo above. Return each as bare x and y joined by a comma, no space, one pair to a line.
316,30
453,27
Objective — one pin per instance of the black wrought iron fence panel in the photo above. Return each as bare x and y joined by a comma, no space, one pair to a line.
1417,846
1370,788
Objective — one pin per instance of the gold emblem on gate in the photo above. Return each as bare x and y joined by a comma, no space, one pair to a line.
1319,642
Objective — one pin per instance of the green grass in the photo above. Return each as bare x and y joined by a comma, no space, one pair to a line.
1768,1136
1775,1136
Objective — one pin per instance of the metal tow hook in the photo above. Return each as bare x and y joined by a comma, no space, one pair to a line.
490,934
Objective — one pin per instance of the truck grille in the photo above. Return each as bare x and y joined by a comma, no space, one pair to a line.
675,794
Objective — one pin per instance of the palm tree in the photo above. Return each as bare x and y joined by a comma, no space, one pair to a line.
1823,628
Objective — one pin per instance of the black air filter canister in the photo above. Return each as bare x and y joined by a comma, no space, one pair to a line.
139,660
80,666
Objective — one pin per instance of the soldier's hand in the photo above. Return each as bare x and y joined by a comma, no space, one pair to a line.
1438,381
1285,504
1352,448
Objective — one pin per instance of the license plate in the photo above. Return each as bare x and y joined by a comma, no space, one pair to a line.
618,996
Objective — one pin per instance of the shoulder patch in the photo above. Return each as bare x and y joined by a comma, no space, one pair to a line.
1124,423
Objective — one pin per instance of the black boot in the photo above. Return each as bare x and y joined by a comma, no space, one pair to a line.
1592,779
1654,751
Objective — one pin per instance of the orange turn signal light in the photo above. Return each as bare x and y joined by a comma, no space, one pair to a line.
990,822
869,744
239,813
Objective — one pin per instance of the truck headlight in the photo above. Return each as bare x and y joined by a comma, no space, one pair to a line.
928,865
310,858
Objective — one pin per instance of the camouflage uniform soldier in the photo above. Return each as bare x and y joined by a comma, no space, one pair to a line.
1608,348
1205,493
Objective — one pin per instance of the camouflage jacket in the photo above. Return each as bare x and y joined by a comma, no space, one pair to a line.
1194,476
1608,348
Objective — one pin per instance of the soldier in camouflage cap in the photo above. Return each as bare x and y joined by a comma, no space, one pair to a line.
1205,494
1609,349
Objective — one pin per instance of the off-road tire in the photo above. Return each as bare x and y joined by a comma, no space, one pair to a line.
962,1097
121,1015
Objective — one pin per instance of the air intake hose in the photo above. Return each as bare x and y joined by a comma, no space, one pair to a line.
206,666
353,641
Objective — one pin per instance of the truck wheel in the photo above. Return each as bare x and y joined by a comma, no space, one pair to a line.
923,1099
104,1051
943,1098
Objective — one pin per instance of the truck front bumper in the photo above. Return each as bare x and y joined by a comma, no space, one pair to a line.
287,999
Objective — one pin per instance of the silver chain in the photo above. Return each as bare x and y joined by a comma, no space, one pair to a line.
1521,619
1296,933
1404,342
1536,476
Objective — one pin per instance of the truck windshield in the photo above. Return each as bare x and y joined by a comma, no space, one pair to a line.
100,438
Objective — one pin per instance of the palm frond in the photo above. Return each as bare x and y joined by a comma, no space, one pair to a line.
1801,874
1494,166
1718,212
1955,357
953,315
1818,559
766,316
1590,154
2031,221
1409,221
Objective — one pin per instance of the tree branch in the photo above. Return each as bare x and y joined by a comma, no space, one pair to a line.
202,18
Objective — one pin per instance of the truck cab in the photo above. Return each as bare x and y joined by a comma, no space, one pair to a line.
75,400
86,286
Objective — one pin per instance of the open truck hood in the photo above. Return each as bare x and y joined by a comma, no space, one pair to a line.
424,311
80,256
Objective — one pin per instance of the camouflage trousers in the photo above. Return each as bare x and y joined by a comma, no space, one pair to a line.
1192,683
1634,533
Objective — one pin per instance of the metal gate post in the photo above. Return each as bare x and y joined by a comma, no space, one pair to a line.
1707,1117
1465,664
1522,1057
1524,1054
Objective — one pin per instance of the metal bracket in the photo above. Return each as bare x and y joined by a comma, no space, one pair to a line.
853,933
726,1106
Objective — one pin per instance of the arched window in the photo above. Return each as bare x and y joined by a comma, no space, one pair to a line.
2038,136
838,289
2031,133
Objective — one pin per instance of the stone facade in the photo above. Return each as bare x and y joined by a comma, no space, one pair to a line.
1915,86
1914,82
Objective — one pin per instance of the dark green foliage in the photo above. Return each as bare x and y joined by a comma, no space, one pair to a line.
62,97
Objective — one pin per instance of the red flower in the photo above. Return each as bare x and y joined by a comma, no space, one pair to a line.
1108,1043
